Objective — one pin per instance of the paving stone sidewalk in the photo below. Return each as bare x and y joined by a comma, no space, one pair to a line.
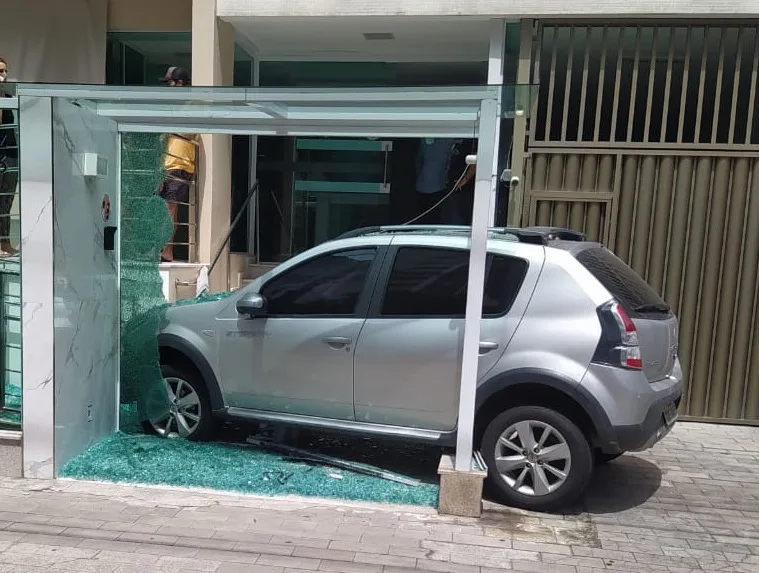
690,504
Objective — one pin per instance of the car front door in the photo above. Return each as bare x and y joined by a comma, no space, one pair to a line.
408,358
298,357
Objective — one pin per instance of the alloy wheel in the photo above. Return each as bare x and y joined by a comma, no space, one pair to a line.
182,416
533,458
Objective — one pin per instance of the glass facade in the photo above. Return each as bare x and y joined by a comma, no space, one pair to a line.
140,59
306,194
341,139
347,157
313,189
10,265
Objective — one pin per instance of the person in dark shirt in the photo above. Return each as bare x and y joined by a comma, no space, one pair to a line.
8,168
458,210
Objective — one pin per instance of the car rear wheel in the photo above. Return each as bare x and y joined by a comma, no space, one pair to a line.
537,458
186,413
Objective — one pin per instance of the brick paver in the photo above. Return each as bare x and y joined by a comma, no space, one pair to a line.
690,504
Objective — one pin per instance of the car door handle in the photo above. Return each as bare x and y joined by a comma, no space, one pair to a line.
487,346
337,341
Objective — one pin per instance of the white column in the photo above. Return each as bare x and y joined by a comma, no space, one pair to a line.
484,179
495,78
516,196
38,307
213,43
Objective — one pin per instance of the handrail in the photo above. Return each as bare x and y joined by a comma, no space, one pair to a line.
252,191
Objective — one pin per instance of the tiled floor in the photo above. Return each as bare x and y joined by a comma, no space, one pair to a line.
690,504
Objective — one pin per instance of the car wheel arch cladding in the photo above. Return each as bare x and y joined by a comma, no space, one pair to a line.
177,344
536,378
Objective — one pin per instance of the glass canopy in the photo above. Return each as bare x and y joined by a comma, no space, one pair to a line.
412,112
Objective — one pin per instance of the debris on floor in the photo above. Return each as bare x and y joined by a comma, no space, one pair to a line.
332,461
133,457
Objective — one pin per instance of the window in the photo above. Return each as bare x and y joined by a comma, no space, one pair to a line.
623,283
327,285
432,282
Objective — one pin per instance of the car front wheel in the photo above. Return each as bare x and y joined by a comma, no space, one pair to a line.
186,413
537,458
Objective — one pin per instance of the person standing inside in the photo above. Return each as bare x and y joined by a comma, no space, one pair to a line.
461,181
179,163
8,168
433,160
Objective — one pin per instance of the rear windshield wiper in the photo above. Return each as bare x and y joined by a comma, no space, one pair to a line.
652,308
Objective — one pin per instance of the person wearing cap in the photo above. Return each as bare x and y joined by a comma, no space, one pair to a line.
179,163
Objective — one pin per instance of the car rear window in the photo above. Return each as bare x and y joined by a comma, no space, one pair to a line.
623,283
430,282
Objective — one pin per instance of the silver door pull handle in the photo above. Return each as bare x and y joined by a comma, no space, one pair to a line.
486,346
337,341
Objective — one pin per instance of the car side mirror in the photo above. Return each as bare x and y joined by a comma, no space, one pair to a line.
252,305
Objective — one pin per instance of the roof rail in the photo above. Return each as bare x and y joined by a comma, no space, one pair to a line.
557,233
532,235
393,229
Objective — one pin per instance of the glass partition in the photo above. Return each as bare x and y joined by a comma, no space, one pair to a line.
329,159
10,264
86,210
353,157
300,111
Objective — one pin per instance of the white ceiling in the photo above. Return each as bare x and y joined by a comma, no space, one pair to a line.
324,38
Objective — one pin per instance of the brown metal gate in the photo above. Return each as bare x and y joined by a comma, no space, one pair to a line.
647,138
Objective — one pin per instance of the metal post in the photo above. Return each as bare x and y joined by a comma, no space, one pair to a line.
495,78
253,213
484,180
516,196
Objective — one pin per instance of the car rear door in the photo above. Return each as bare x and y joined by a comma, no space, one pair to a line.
408,357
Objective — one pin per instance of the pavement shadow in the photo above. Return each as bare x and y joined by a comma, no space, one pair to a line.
625,483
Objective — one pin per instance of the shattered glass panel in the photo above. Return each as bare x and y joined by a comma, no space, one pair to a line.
145,228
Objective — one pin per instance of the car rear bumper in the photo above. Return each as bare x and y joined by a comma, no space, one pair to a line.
628,411
659,420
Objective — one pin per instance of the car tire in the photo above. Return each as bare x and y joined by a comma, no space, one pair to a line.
602,458
565,448
189,413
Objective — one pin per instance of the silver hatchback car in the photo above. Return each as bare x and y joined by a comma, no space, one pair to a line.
363,334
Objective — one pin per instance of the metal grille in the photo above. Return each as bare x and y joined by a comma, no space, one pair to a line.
10,272
142,166
648,84
660,161
185,238
10,345
572,190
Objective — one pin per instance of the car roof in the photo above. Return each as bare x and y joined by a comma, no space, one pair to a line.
545,236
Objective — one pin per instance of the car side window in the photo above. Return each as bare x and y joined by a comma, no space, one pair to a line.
330,284
432,282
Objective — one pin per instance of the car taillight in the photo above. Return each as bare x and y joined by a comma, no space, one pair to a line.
619,344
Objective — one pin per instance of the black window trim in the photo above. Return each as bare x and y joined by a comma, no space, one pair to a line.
380,290
656,298
364,298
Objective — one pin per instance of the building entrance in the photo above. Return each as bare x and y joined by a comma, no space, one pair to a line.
76,281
